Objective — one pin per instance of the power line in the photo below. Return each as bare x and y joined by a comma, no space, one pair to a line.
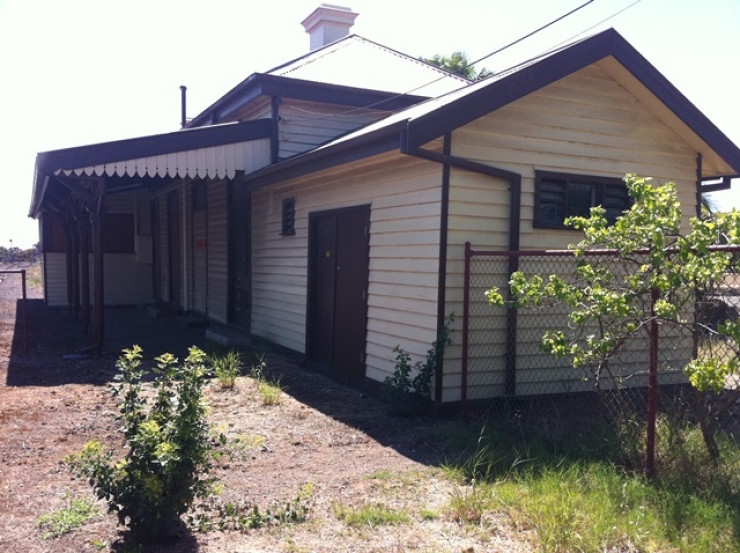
612,16
517,41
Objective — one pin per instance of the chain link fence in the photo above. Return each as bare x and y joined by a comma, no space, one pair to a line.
508,378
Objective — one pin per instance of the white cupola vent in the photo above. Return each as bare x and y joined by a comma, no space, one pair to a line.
328,23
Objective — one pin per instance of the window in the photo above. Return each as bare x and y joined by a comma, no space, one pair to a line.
557,196
288,226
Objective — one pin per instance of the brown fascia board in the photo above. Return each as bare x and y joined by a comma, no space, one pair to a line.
260,84
561,64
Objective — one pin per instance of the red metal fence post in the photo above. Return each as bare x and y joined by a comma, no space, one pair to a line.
652,399
466,316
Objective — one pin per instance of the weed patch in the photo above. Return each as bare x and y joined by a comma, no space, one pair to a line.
67,519
247,516
373,515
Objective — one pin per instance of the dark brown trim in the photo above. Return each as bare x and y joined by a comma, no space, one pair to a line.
442,274
725,183
699,191
275,136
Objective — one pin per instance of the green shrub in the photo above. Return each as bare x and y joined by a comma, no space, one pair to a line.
169,453
407,395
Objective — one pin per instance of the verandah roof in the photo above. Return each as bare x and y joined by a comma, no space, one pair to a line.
218,151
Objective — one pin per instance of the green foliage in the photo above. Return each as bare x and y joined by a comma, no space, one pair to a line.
606,308
407,394
68,518
227,368
169,450
459,64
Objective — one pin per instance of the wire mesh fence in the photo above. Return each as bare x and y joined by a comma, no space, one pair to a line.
509,378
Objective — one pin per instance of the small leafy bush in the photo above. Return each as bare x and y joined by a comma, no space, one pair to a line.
169,449
67,519
227,368
407,395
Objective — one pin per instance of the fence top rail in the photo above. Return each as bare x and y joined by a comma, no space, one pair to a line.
556,253
18,272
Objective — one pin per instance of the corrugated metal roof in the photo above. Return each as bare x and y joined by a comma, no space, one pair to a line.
358,62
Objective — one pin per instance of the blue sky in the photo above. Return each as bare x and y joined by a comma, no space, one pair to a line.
77,72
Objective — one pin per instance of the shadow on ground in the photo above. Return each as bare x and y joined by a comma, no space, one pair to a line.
57,344
56,338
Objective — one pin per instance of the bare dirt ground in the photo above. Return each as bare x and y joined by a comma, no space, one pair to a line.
333,438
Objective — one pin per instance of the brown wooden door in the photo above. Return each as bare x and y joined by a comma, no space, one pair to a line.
338,279
240,272
173,241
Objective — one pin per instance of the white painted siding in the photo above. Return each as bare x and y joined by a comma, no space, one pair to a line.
586,123
55,274
305,125
404,195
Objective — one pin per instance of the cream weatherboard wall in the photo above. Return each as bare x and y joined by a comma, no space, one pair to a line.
404,196
586,123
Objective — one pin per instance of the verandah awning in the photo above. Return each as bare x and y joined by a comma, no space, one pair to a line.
218,151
